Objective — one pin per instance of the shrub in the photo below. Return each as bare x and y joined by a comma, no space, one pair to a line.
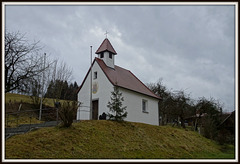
67,112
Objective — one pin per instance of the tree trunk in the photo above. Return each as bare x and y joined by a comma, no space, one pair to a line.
182,122
165,119
195,127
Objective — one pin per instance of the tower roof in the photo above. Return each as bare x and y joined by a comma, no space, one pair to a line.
106,46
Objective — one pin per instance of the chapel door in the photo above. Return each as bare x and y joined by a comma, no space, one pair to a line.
95,110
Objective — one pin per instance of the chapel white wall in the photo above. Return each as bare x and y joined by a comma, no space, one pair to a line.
109,62
103,94
133,101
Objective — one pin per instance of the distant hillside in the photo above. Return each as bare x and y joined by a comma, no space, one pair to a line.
17,98
108,139
14,101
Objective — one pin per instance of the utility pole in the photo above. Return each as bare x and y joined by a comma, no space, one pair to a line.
54,70
40,111
91,83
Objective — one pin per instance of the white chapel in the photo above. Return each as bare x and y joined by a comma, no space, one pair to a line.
141,102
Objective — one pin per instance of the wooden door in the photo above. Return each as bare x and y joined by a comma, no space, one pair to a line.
95,110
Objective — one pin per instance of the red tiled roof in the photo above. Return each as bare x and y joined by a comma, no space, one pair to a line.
106,46
123,78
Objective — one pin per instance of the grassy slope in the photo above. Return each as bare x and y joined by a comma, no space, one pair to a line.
108,139
26,99
15,99
22,119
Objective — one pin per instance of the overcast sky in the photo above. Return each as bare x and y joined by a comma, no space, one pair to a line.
189,47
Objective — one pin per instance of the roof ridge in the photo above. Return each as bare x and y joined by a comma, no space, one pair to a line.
100,46
144,85
110,45
133,76
122,68
103,69
86,75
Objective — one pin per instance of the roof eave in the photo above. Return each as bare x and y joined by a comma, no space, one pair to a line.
98,52
159,98
85,77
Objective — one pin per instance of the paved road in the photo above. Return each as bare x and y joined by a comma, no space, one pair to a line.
26,128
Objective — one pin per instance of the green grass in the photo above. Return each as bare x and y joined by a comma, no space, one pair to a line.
17,98
112,140
13,121
12,102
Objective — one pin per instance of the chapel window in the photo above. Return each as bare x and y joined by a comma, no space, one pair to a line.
144,106
110,55
102,55
95,75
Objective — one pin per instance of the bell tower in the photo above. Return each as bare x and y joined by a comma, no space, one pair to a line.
107,53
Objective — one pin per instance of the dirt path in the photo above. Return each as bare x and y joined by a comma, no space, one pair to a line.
24,128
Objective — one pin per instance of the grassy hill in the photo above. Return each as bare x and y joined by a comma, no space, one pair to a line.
17,98
101,139
12,103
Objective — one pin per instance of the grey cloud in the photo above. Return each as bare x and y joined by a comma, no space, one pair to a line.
188,46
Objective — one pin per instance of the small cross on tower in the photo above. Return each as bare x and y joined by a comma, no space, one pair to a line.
106,33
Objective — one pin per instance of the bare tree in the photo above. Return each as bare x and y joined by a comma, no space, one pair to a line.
58,78
181,105
174,105
22,61
64,73
211,112
166,102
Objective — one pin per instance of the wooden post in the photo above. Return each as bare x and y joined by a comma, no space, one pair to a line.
57,116
19,107
30,121
17,119
195,127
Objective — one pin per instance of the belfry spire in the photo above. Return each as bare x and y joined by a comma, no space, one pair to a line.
106,46
106,52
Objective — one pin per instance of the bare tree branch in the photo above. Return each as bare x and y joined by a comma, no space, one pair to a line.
21,61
